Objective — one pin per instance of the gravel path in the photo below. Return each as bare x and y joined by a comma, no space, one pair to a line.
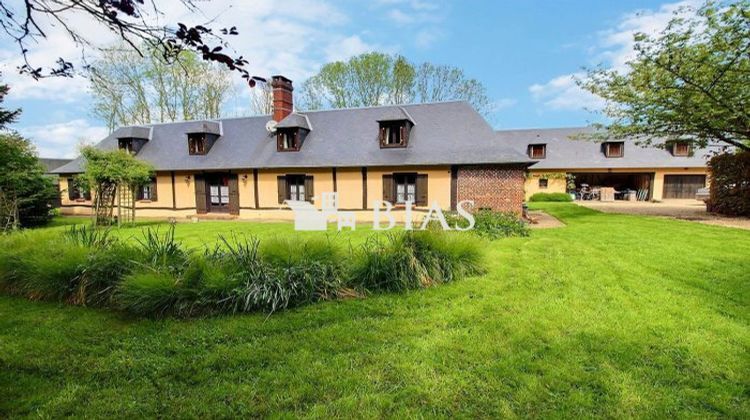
692,210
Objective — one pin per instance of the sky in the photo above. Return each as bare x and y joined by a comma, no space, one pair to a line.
526,53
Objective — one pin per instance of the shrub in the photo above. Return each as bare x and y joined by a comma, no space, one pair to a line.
492,225
89,236
155,293
730,184
410,260
163,251
51,271
555,196
104,269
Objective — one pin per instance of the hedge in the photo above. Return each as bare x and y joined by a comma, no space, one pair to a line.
564,197
730,184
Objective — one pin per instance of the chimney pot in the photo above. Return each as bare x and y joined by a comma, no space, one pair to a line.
283,100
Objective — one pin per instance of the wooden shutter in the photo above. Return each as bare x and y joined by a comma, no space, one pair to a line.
281,181
201,200
421,190
71,190
139,193
234,195
87,195
309,192
404,133
154,197
383,140
388,188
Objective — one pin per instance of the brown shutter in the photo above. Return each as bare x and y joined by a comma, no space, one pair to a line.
388,188
154,196
201,201
421,190
404,133
281,181
383,140
71,189
139,192
87,195
234,195
309,191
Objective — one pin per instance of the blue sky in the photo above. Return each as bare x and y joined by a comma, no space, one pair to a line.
525,52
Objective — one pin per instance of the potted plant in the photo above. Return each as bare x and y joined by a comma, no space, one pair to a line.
570,185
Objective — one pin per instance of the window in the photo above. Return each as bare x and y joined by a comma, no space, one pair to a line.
681,148
288,140
394,133
399,188
125,144
147,192
406,188
197,144
537,151
543,183
74,192
295,186
614,149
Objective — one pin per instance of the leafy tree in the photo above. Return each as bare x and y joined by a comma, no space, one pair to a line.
373,79
131,89
136,22
26,194
690,82
7,116
106,171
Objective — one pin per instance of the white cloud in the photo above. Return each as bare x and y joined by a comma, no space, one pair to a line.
562,93
615,48
61,140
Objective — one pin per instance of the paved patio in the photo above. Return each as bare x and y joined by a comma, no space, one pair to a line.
692,210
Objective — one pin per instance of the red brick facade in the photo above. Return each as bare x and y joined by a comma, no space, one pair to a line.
496,187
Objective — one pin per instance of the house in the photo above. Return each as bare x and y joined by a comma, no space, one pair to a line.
49,165
248,167
675,171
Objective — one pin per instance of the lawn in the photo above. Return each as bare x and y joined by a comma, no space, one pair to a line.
612,315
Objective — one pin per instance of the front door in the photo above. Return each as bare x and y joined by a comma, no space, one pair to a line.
218,193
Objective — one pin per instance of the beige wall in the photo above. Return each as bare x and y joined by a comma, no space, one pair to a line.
555,183
348,185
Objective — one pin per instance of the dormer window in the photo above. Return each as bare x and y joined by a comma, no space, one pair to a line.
680,148
130,144
394,133
125,144
537,151
197,144
288,140
614,149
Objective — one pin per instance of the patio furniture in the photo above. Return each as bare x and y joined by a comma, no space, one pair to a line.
606,194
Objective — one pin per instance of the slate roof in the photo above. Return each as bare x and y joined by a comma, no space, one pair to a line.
443,133
564,152
51,164
295,120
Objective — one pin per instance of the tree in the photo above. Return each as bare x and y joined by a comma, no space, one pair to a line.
373,79
7,116
136,22
109,172
690,82
131,89
261,100
26,194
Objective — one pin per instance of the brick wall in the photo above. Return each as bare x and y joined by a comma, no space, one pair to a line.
497,187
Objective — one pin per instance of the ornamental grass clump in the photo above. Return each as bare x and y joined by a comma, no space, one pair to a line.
411,260
156,276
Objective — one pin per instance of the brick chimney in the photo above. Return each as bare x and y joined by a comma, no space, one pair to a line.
283,100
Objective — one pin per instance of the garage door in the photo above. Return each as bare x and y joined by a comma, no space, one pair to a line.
683,186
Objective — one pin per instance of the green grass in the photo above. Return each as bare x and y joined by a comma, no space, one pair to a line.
612,315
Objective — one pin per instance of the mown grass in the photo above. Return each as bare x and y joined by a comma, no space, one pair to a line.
612,315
